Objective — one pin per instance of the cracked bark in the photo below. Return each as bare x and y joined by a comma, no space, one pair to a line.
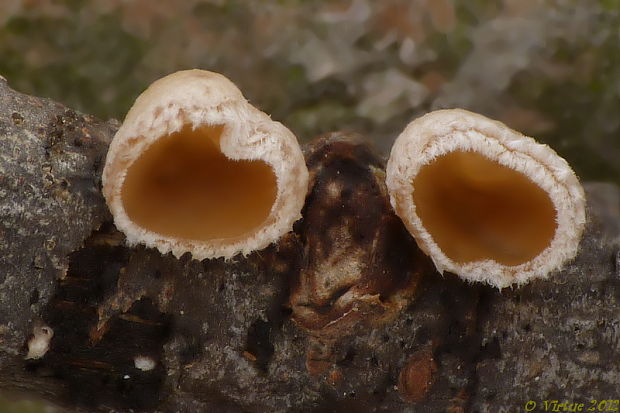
343,314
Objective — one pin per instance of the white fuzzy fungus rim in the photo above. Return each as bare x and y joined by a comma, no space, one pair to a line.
444,131
200,98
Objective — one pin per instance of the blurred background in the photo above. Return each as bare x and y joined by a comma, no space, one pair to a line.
549,68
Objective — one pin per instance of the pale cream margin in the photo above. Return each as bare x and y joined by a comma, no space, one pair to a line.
198,98
444,131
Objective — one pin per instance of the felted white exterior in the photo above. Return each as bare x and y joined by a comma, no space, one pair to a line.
444,131
198,98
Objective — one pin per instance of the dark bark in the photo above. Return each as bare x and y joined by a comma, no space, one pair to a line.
251,334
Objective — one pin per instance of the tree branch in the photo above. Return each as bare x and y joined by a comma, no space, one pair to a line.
95,326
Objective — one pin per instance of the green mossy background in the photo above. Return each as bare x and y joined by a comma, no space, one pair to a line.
24,406
546,67
549,68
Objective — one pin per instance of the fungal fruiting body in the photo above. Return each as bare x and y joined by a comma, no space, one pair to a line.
484,201
196,168
360,266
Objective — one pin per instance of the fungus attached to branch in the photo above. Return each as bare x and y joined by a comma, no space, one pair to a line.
484,201
196,168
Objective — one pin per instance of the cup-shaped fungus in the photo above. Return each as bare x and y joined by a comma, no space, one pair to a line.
196,168
484,201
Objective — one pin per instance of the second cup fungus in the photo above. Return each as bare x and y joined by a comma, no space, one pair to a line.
196,168
484,201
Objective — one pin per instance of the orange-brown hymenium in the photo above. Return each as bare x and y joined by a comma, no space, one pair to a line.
484,201
196,168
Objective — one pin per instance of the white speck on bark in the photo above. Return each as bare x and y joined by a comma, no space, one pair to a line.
39,344
144,363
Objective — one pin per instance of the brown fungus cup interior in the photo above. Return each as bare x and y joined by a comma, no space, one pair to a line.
477,209
183,186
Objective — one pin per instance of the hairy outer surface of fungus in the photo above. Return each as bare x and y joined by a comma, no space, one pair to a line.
196,168
484,201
